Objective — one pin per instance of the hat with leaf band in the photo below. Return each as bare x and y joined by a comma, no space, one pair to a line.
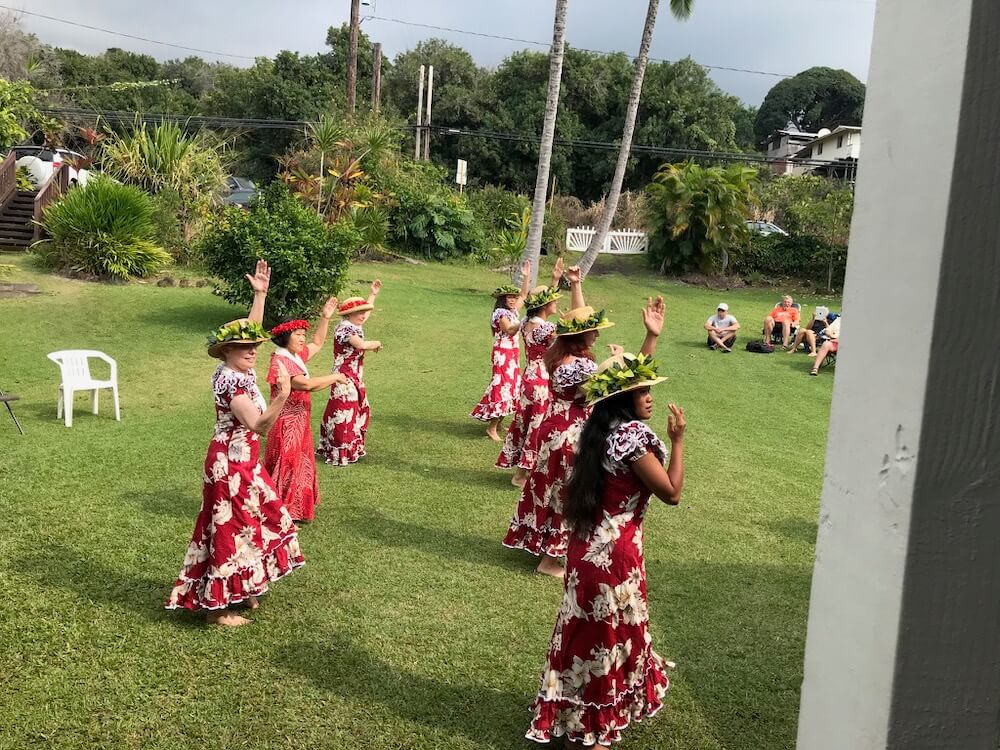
621,374
581,320
540,296
507,290
242,331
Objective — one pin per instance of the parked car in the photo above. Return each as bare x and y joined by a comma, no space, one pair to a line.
239,191
765,228
40,163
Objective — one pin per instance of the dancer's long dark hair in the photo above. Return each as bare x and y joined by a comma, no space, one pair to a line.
585,490
566,346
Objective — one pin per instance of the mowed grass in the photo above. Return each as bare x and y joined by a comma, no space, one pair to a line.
410,626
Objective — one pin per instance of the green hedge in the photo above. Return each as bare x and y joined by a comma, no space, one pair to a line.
796,257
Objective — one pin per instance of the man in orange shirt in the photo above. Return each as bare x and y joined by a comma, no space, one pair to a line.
785,315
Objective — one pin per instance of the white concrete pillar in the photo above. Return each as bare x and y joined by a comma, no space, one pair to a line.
903,648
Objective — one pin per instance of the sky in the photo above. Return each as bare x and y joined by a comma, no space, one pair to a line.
773,36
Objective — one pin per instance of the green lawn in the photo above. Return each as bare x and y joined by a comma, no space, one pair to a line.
410,626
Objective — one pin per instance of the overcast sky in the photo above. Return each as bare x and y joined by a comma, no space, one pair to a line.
776,36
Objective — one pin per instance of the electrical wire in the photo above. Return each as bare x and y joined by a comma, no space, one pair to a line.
549,44
246,123
123,34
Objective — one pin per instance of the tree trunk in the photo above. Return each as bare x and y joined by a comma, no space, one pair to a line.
615,191
352,56
533,246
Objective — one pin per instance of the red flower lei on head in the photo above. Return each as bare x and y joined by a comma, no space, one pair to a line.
291,325
351,304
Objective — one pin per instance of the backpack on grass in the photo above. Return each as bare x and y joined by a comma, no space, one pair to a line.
760,347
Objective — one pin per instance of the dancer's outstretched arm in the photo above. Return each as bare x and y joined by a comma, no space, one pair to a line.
259,282
652,318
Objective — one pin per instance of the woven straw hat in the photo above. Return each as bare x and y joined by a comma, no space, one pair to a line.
581,320
540,296
354,305
621,374
241,331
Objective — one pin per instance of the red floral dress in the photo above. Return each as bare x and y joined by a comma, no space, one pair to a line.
345,421
500,398
517,448
537,526
244,537
289,456
601,671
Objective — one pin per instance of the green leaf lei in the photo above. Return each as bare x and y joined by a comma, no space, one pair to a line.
506,290
577,326
632,370
235,332
550,294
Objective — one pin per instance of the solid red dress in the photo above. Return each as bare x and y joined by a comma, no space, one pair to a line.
537,526
244,538
518,449
289,456
345,420
601,671
500,398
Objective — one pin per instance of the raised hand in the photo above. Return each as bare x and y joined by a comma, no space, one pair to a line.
261,279
676,423
376,346
526,268
329,308
616,350
376,287
574,274
283,386
652,315
557,272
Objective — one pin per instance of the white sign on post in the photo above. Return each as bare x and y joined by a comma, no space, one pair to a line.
462,172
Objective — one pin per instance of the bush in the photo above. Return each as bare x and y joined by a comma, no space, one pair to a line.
428,218
169,230
308,258
494,207
797,257
105,229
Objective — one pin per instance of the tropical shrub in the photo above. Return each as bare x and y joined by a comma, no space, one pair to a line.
17,109
494,207
163,157
23,179
308,258
800,257
697,215
105,229
808,204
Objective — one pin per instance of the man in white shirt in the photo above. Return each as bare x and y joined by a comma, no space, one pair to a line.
722,328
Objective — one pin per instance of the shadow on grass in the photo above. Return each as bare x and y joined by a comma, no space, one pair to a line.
59,567
746,622
193,315
459,426
175,502
796,529
452,545
487,717
493,479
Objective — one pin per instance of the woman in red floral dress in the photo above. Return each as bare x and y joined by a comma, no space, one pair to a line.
289,456
348,413
601,672
538,333
244,538
500,399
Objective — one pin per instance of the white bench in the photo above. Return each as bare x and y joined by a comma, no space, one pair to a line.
622,242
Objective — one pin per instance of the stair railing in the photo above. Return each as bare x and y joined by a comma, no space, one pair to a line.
8,178
54,187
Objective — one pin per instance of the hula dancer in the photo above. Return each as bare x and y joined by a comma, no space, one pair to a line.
244,538
345,421
601,672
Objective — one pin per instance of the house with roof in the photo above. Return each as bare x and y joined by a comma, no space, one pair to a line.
831,153
784,144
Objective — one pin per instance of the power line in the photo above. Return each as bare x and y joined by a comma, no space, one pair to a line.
123,34
548,44
223,123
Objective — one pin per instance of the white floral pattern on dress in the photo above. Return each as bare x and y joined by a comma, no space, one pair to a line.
505,378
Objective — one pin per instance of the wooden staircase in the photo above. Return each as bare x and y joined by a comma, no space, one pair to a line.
16,230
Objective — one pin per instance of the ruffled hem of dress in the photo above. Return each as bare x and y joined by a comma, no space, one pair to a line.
509,459
343,456
190,593
485,412
602,725
528,460
536,541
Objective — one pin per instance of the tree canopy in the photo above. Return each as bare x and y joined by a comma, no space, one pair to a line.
815,98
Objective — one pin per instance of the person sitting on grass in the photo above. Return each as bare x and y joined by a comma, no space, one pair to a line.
816,332
786,315
829,347
722,328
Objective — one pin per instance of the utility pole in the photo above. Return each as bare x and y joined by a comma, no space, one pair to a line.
352,56
427,120
420,115
377,79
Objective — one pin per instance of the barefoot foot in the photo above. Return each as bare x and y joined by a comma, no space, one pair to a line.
227,619
519,479
254,602
549,566
492,435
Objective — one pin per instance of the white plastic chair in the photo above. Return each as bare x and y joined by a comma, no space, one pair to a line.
75,369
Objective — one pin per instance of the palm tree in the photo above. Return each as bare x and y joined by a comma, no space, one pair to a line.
323,136
681,10
533,246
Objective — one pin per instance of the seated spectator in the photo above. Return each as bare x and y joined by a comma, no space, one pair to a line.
829,346
722,328
785,315
815,333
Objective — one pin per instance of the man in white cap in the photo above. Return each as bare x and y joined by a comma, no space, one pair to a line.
722,328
